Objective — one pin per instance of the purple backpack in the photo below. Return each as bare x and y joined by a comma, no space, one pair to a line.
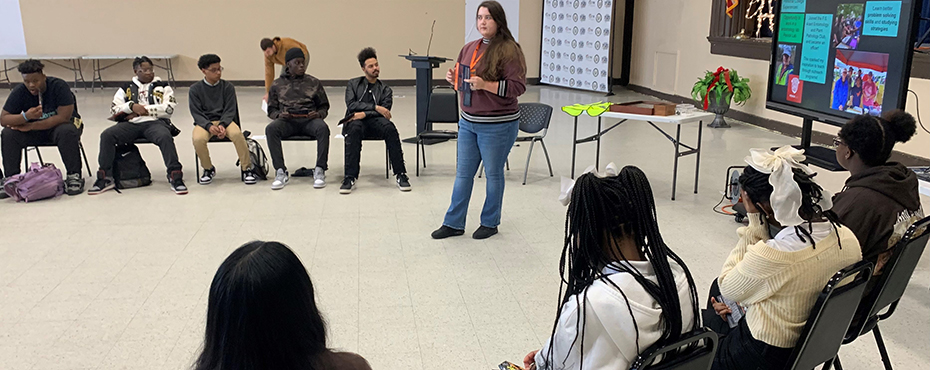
40,182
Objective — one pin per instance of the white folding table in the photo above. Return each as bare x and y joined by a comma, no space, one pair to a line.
97,64
677,120
61,60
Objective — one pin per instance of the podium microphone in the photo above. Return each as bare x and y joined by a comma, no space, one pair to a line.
431,30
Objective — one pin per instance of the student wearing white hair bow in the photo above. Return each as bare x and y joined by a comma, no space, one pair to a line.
777,279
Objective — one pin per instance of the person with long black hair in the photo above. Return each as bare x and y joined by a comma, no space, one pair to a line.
777,279
490,118
623,289
262,314
880,199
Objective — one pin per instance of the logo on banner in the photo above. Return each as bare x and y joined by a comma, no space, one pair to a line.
600,4
795,88
583,18
576,4
597,59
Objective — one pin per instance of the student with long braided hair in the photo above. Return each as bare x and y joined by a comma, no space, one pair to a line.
777,278
623,289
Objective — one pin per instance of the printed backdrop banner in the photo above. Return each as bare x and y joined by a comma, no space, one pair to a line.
576,44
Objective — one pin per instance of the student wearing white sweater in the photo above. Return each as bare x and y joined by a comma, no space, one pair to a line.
777,279
625,289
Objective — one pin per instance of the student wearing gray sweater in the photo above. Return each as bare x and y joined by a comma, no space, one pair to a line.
216,113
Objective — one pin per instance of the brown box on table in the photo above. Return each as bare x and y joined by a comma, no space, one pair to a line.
644,108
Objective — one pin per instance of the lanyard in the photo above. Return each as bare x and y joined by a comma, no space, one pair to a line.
475,58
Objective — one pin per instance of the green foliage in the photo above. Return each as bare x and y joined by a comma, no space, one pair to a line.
720,92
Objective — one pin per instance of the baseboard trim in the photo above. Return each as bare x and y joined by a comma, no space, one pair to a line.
784,128
256,83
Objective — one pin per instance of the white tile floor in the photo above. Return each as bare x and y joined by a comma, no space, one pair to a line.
118,281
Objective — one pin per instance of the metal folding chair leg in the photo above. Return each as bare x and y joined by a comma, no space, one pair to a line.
42,162
387,162
881,348
529,155
543,143
86,163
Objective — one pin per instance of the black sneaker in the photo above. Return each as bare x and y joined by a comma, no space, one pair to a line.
445,232
3,194
348,183
177,183
484,232
103,183
74,184
248,177
207,176
403,182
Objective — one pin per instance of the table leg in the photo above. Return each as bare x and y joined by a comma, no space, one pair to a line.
574,146
170,73
677,152
697,162
81,72
597,157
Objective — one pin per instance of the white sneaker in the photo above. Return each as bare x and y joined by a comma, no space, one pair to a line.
319,178
280,179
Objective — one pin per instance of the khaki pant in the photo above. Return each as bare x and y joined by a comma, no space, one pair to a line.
201,137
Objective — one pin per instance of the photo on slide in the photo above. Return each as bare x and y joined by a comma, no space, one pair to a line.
785,65
847,26
859,82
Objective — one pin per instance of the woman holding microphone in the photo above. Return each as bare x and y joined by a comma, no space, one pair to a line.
494,69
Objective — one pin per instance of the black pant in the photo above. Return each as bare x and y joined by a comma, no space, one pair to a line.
126,132
738,349
372,128
284,128
65,136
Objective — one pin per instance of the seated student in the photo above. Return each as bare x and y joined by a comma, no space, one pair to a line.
216,113
880,200
262,314
777,278
298,104
369,101
42,110
626,290
142,109
275,51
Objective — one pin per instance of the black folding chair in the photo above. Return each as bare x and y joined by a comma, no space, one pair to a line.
694,351
213,139
443,108
823,333
41,161
888,288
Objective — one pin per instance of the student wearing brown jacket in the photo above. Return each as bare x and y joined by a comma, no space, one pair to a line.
275,50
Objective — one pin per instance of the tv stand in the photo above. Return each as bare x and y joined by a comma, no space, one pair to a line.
819,156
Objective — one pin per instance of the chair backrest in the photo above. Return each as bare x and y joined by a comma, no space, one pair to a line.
534,117
890,285
697,351
443,106
826,326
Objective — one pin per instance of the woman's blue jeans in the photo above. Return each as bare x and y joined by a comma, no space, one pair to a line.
480,142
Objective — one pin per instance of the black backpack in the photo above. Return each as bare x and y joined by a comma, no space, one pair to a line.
129,170
257,156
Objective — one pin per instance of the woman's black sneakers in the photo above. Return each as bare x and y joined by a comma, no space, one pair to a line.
484,232
445,232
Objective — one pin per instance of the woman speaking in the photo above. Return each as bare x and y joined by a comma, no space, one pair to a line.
492,74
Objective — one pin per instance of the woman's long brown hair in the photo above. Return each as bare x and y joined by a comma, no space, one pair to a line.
503,48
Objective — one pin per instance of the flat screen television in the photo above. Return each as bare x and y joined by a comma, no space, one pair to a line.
835,59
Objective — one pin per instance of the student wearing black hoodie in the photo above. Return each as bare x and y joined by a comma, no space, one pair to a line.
880,199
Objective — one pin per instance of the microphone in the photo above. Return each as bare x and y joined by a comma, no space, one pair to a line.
432,29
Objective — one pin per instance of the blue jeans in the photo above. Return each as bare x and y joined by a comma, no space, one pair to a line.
480,142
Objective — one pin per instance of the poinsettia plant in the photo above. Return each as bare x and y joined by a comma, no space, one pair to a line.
723,86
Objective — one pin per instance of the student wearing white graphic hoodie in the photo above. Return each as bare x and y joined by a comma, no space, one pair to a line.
142,109
624,289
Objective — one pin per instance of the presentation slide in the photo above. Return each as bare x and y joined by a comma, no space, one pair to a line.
840,58
576,44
